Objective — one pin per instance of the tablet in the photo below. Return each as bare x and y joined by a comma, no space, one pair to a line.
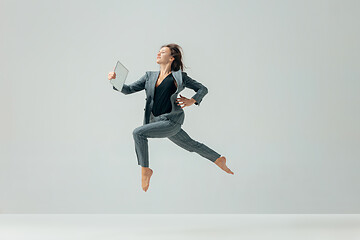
121,73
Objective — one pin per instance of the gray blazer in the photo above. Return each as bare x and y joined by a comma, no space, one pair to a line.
148,82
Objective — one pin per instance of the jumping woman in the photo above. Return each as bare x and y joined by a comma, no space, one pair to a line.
164,112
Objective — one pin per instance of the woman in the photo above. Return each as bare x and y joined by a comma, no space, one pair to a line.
163,114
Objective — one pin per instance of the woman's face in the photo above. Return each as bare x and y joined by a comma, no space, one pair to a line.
164,56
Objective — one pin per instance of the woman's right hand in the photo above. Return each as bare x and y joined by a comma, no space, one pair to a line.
111,75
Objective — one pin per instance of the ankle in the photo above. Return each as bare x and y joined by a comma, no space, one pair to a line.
145,169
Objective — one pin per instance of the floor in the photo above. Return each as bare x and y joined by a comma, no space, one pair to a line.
179,226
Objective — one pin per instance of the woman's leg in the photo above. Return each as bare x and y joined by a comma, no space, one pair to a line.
183,140
156,129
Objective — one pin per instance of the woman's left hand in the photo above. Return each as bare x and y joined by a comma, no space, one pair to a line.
185,102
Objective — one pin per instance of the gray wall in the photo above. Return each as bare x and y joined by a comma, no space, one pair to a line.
283,106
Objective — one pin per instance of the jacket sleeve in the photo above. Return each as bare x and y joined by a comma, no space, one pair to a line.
200,89
135,86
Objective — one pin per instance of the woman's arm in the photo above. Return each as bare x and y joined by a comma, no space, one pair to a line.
135,86
200,89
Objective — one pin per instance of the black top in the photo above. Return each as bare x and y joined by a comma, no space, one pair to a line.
163,92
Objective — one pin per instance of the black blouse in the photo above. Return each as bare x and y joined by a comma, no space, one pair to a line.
163,92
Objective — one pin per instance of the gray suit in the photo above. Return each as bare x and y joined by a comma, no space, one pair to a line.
167,124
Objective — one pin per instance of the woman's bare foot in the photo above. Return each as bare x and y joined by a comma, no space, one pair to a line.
145,177
221,162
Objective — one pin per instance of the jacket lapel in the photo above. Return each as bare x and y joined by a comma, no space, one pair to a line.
178,78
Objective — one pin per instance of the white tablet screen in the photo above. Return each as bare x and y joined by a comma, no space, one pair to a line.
121,73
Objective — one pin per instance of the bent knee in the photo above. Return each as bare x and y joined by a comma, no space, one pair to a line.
137,131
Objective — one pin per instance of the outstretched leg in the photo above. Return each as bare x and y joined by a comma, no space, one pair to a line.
183,140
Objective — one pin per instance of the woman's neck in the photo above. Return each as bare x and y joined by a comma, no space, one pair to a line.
165,70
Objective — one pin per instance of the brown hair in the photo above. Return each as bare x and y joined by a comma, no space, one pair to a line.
176,53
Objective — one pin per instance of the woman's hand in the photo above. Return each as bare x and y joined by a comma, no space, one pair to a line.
111,75
185,102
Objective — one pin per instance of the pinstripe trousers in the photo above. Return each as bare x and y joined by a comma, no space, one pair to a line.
161,127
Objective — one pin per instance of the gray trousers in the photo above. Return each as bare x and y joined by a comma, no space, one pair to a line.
161,127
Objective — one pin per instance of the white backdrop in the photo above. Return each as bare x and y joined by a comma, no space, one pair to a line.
283,106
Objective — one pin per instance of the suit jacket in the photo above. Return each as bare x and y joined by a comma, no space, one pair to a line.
148,82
